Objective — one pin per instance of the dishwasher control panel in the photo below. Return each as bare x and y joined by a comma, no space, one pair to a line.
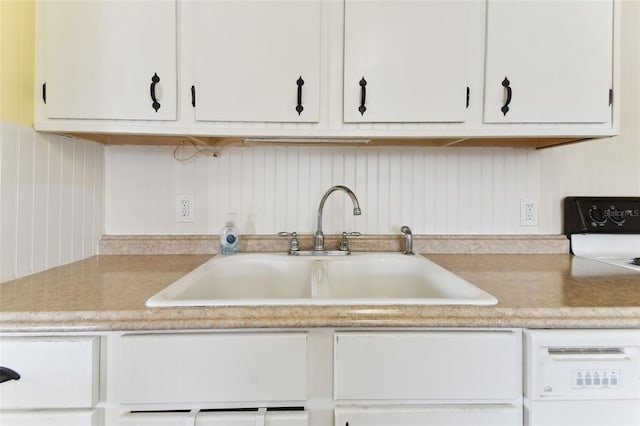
596,379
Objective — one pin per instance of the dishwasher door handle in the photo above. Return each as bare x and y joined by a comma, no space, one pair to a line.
588,354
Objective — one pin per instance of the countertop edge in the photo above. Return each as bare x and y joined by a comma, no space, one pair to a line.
302,317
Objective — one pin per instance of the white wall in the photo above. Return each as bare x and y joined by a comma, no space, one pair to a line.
435,191
51,199
604,167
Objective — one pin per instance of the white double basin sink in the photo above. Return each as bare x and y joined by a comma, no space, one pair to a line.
359,278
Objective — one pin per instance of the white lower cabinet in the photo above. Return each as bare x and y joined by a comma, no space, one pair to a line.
443,378
312,377
440,415
317,377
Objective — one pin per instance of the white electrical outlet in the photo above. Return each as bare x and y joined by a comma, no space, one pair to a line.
184,208
529,212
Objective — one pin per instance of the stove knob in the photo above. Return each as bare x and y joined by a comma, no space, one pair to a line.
617,216
597,216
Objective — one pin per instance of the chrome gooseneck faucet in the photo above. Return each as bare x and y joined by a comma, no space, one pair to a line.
318,241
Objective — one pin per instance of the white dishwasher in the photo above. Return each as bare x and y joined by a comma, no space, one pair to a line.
582,378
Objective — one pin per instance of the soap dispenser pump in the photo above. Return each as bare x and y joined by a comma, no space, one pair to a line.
229,239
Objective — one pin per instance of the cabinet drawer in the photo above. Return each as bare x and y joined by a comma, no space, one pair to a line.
157,419
217,418
51,418
447,365
442,415
266,418
55,372
220,367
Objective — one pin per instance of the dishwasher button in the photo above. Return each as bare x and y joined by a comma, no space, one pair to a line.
613,378
587,379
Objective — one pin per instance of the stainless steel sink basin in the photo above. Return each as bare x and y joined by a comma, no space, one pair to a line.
360,278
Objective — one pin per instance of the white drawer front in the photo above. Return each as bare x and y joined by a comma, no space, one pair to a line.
217,418
221,367
443,365
441,415
157,419
54,372
253,418
50,418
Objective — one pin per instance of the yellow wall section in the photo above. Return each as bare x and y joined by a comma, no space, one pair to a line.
17,58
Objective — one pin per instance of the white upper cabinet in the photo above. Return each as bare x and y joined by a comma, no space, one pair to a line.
406,61
110,59
257,60
548,61
442,72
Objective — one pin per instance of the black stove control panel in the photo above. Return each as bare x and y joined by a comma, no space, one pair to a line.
601,215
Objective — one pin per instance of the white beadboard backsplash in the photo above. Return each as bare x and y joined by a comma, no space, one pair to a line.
272,189
51,199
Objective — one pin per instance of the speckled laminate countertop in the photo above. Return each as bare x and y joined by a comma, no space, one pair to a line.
534,290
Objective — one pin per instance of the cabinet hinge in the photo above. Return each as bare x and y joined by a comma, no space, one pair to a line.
44,92
193,96
610,97
468,92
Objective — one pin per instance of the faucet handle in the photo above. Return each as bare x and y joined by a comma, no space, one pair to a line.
294,243
408,240
344,242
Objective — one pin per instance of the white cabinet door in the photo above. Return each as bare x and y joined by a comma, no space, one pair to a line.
554,56
257,60
106,59
406,61
213,367
436,365
440,415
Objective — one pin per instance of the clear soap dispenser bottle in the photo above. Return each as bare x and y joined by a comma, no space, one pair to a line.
229,239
